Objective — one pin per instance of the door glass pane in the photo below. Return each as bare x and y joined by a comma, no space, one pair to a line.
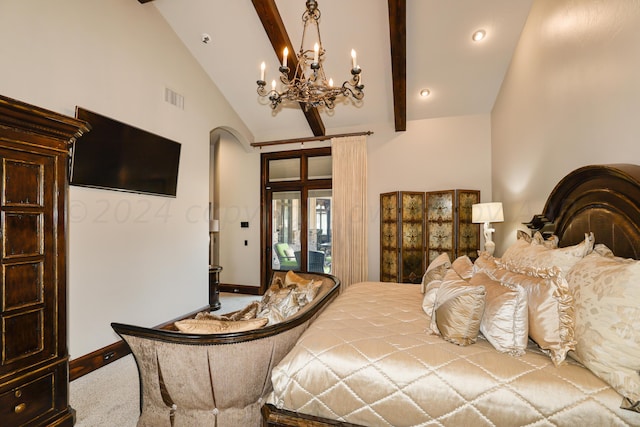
284,170
319,239
286,225
319,167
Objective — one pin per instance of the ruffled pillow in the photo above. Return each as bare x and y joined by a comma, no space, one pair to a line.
551,242
505,322
607,305
538,256
550,307
457,310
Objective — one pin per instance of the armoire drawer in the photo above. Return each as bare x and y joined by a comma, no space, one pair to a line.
27,401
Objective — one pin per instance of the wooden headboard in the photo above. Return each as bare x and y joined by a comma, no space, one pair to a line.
603,199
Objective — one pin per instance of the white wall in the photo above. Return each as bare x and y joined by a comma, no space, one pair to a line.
436,154
132,258
571,98
239,196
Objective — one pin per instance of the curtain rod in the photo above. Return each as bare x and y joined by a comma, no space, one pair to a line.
312,138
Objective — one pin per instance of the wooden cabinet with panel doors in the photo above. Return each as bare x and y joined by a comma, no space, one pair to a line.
34,154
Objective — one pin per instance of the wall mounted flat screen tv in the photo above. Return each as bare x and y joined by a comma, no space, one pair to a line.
116,156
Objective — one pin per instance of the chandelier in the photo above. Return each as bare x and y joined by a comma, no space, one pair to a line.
309,85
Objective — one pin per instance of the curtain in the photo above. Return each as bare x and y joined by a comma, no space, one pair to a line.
349,249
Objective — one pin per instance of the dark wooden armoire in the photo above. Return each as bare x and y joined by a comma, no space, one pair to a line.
415,227
34,155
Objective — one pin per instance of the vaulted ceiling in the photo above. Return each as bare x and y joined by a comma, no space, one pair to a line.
403,46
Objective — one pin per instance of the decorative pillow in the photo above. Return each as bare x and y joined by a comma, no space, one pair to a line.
457,311
292,279
430,297
533,255
463,266
607,304
436,270
523,235
551,242
550,307
279,305
485,263
505,322
305,290
283,300
211,326
518,249
603,250
290,253
432,290
248,312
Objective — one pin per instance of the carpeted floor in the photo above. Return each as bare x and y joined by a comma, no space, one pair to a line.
110,396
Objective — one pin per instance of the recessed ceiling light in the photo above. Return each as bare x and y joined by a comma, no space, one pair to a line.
425,92
478,35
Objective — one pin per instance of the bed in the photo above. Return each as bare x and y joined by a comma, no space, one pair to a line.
373,358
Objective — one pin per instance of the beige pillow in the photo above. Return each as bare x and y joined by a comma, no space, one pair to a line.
505,322
248,312
523,235
607,304
550,308
457,311
430,297
305,290
485,263
292,279
436,270
283,300
463,266
551,242
211,326
432,290
279,306
533,255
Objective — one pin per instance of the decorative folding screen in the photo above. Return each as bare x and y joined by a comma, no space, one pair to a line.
415,227
448,224
389,241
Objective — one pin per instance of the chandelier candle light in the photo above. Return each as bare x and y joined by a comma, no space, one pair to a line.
309,85
487,213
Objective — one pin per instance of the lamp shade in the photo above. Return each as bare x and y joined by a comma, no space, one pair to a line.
487,212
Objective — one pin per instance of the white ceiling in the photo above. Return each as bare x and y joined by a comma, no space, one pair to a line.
464,77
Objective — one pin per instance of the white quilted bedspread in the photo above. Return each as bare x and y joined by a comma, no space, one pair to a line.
368,360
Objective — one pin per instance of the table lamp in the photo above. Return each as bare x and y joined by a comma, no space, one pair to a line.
487,213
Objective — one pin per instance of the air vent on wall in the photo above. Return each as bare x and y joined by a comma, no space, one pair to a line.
174,98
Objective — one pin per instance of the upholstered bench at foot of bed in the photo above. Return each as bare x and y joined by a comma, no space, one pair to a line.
214,379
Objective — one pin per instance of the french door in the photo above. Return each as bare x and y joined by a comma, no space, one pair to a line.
296,211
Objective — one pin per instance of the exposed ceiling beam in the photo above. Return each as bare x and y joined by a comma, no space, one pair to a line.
272,22
398,35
